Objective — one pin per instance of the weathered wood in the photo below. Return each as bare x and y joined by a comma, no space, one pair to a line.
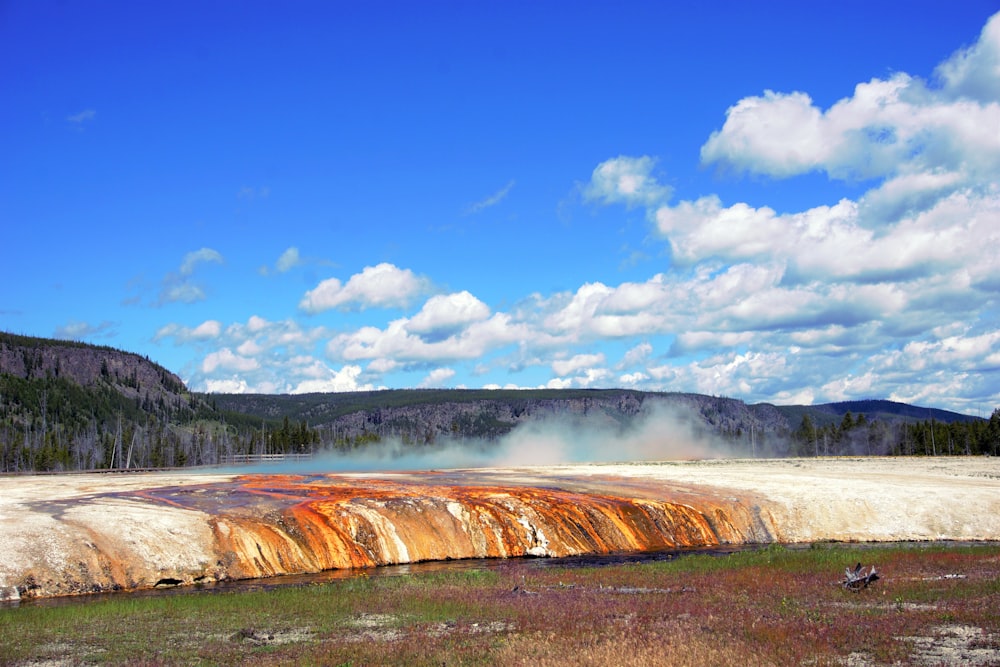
859,578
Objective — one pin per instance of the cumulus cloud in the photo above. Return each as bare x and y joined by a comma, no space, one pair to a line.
637,355
230,385
835,242
576,363
444,314
837,281
632,379
625,180
380,286
888,127
382,366
891,292
260,356
974,72
438,377
396,341
597,310
329,380
226,359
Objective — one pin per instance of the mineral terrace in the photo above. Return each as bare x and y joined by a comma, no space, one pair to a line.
72,534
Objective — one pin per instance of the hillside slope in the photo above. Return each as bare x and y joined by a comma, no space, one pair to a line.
430,416
68,406
88,366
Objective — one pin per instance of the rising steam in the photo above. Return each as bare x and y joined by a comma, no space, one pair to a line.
661,432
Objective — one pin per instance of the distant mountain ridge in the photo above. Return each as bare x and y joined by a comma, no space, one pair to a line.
873,409
68,405
424,415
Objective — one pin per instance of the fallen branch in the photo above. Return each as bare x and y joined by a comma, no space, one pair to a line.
859,578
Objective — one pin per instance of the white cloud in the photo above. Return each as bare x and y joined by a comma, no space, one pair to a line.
738,374
636,355
75,330
257,324
346,379
225,359
437,378
182,293
448,312
250,348
192,259
891,292
397,342
632,379
288,260
382,366
564,367
381,286
887,128
207,330
231,385
847,387
626,180
179,287
955,353
492,200
688,342
82,116
975,72
594,377
833,243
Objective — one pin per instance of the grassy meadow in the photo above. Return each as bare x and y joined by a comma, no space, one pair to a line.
777,606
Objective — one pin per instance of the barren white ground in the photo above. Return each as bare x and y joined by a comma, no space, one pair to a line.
50,524
854,499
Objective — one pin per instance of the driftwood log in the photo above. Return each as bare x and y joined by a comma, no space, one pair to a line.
859,578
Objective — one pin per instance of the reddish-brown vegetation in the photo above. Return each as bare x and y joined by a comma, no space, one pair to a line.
776,606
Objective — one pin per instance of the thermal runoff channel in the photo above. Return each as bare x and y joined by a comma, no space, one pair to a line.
74,534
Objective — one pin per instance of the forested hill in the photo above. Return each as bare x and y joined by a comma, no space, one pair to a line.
829,413
73,406
422,417
67,406
88,366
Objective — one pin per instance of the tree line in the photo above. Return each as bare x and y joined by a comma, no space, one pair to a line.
860,436
54,424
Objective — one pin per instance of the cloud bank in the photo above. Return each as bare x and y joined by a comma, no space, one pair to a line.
892,293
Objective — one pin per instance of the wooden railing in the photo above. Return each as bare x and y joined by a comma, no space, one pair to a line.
241,459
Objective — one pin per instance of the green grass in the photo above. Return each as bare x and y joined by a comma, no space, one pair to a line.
772,606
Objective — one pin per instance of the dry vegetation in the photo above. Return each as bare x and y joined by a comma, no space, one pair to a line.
778,606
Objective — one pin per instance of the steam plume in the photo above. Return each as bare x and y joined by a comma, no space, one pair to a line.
661,432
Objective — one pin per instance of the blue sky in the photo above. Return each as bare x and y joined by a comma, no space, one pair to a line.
796,205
